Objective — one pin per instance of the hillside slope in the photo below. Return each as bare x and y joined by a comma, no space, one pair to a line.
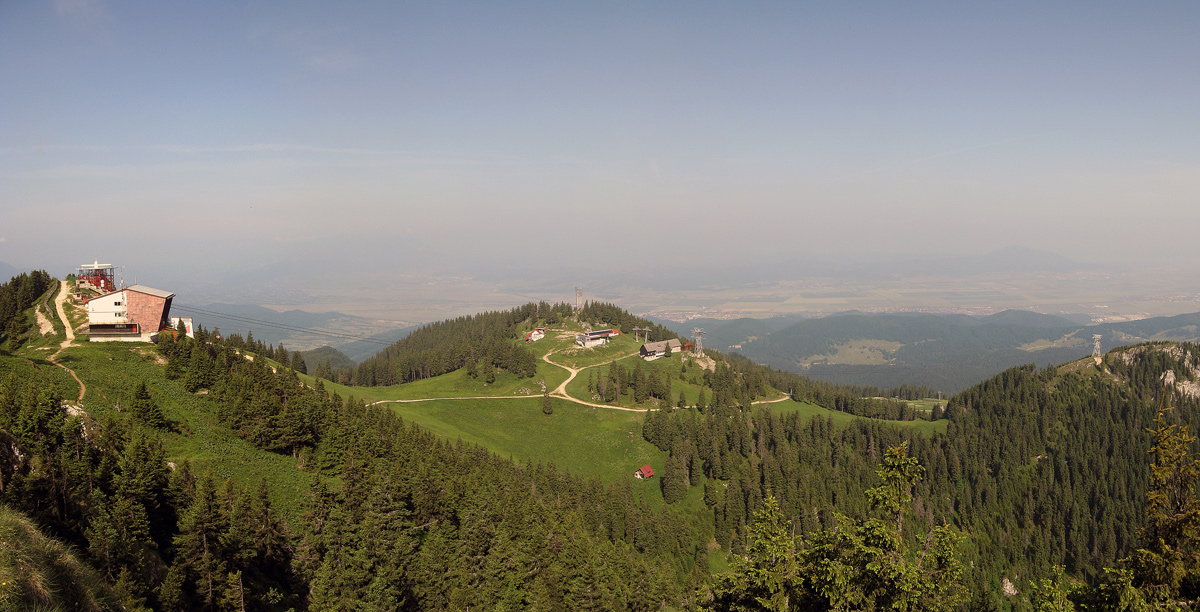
38,572
330,500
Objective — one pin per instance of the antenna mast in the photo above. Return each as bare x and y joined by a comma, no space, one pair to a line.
698,333
578,298
1096,347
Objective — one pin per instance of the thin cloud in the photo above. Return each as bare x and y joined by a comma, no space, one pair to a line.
335,61
920,160
49,148
78,9
317,49
278,148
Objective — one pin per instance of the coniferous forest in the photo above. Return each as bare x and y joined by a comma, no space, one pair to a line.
16,296
1064,488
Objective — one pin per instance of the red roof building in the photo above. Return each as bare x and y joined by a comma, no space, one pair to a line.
644,472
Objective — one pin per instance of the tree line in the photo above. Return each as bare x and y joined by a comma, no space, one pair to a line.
1039,469
16,296
482,343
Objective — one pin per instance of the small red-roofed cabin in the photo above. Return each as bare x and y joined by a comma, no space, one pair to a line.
644,472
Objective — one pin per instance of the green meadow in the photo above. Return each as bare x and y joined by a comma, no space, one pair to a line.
508,420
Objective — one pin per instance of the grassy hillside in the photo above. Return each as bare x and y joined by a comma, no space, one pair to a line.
606,444
591,441
336,359
40,573
1029,451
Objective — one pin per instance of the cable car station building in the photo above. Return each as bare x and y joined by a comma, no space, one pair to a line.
132,314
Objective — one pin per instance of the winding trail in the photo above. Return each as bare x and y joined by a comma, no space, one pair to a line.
559,392
62,314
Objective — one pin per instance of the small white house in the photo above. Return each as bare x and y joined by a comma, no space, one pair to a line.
597,337
653,350
187,325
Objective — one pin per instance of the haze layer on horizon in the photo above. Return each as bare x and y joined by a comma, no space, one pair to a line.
210,139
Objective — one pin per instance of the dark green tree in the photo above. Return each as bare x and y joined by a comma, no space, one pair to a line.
1170,556
298,363
674,479
144,409
857,565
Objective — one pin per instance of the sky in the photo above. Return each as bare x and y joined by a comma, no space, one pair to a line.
173,136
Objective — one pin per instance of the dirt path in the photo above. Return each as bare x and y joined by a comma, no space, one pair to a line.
62,314
436,399
774,401
561,391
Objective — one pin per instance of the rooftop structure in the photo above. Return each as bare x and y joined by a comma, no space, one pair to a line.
97,276
653,350
644,472
597,337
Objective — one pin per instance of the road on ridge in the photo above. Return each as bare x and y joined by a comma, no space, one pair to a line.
62,314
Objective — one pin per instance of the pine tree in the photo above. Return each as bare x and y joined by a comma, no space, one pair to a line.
298,363
547,407
145,410
201,556
1171,552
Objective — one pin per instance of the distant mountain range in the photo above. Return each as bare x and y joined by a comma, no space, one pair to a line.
7,272
947,352
355,338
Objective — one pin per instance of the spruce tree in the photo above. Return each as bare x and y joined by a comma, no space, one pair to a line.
201,556
547,408
144,409
298,363
1170,556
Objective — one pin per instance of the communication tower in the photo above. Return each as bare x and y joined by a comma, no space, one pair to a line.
698,333
1096,345
578,298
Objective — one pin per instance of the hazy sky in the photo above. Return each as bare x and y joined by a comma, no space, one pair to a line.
163,134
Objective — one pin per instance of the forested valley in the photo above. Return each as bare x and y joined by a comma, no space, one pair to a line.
1036,497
